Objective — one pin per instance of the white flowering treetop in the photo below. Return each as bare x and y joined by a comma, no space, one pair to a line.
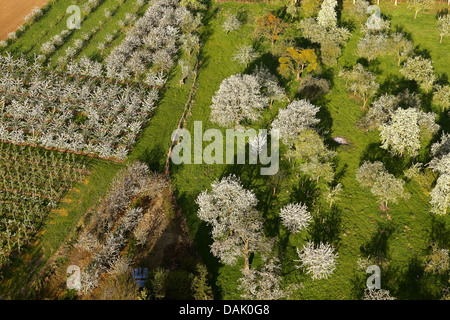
440,195
444,26
239,97
265,284
319,261
295,217
327,15
420,70
297,116
402,133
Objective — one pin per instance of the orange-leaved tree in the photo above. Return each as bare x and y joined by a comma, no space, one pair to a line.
295,61
269,26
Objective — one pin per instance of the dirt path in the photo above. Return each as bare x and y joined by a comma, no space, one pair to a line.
13,13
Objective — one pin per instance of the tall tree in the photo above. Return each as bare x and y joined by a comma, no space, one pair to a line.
269,84
330,39
296,117
327,16
239,97
441,97
265,284
245,54
296,61
372,46
400,46
202,290
237,227
381,183
360,10
269,27
402,133
443,26
420,70
310,8
419,5
231,23
361,82
312,156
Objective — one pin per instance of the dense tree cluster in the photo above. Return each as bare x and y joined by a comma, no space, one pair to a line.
324,31
114,221
41,107
153,41
420,70
31,184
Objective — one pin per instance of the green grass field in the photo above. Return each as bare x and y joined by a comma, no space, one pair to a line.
356,226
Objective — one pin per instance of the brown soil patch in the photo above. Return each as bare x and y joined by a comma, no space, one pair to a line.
13,13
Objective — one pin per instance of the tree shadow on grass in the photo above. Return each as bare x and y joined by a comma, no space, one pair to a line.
306,192
326,226
154,158
206,33
349,24
377,248
411,282
440,232
395,84
444,121
425,53
201,238
394,164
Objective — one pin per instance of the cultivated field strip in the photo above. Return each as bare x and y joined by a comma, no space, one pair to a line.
32,182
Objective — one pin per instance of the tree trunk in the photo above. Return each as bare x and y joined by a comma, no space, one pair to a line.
415,15
440,41
399,60
246,262
396,2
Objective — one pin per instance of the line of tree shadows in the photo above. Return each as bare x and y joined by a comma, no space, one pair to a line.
326,226
407,281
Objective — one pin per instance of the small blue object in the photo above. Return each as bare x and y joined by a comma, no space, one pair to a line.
140,275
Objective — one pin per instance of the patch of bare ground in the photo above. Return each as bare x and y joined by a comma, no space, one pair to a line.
13,13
